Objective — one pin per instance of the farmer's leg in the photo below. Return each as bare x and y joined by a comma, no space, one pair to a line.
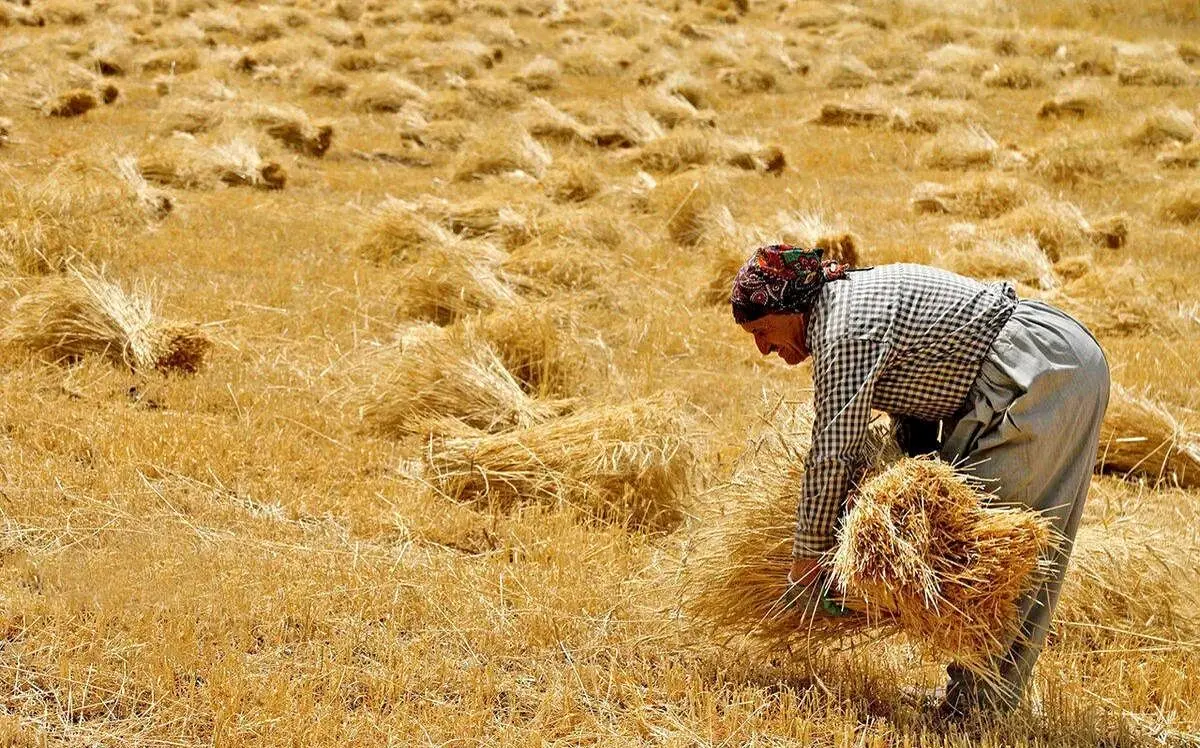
1031,436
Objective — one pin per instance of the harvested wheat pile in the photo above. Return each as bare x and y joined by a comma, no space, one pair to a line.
1016,73
80,314
396,232
846,71
386,93
182,162
539,74
156,203
455,278
751,155
625,464
292,127
1072,160
925,548
1017,258
6,131
817,231
1129,580
1056,226
736,581
869,111
1181,204
71,103
959,148
1155,73
573,181
502,150
679,150
919,552
985,196
432,377
1162,126
1115,302
941,86
1140,437
533,341
689,203
1174,156
495,217
1081,98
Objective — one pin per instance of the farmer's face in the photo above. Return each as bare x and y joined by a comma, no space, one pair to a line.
781,333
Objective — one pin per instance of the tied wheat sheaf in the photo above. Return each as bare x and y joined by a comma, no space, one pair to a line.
626,464
920,552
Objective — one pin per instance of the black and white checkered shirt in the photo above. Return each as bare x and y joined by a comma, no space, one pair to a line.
905,339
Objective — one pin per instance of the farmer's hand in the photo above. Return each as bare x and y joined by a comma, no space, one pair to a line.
805,571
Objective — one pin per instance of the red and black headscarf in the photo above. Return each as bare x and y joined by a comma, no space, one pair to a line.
781,279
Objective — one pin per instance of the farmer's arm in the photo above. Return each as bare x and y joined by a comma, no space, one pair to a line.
843,379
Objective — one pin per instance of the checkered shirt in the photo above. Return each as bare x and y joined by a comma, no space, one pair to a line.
905,339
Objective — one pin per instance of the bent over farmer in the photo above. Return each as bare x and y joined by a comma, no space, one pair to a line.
1019,389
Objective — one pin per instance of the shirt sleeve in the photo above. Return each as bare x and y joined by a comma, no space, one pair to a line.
843,384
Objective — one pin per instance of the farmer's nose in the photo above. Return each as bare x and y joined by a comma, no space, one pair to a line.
763,346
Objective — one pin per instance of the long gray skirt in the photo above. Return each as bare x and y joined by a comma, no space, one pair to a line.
1030,432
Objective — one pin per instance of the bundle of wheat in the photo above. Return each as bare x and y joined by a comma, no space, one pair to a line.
1165,125
71,103
1181,204
941,86
866,111
689,203
986,196
923,547
1115,302
155,202
386,93
1017,258
960,148
500,150
1077,99
846,71
454,278
1155,73
292,127
532,341
626,464
539,74
679,150
1174,156
1072,160
1141,437
432,377
68,317
1017,73
6,130
182,162
396,232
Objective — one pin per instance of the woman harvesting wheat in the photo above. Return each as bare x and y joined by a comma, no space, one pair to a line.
1017,388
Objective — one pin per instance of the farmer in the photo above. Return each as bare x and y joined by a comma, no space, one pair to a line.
1017,387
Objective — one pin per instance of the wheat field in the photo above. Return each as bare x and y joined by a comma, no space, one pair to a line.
367,376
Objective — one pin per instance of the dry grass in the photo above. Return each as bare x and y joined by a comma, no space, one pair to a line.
1141,437
80,314
625,464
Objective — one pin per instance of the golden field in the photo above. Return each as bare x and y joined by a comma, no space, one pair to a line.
367,378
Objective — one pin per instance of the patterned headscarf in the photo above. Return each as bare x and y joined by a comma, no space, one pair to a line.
781,279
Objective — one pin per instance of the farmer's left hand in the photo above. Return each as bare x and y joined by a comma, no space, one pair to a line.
805,571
